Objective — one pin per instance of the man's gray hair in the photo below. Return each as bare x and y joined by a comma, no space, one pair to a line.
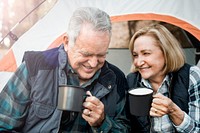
99,19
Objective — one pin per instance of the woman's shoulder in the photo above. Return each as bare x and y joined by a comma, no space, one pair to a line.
195,70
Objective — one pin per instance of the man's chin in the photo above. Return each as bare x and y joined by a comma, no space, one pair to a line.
86,77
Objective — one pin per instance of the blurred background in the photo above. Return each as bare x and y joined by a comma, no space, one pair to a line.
17,16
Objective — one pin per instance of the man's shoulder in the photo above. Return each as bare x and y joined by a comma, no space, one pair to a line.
39,54
46,55
36,60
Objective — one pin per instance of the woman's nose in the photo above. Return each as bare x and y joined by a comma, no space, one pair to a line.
139,62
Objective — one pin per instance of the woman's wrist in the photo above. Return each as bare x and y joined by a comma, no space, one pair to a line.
176,115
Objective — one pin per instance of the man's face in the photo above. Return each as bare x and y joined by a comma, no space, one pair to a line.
88,54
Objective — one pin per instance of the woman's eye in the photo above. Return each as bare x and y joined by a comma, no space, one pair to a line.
135,55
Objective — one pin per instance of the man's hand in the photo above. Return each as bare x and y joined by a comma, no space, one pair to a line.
93,111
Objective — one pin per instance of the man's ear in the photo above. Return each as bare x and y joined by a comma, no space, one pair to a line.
65,42
65,39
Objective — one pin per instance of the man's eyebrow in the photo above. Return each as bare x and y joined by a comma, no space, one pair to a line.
85,52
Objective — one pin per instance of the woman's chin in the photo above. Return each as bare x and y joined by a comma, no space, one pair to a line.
144,76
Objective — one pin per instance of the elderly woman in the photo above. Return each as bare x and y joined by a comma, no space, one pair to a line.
159,64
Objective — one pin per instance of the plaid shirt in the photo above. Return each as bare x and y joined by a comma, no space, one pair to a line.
14,101
14,106
191,122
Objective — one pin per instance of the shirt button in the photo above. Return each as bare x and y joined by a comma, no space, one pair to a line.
109,86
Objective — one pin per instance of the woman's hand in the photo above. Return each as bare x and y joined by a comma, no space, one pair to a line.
94,111
162,105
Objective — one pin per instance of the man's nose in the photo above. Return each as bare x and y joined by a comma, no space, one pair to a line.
93,61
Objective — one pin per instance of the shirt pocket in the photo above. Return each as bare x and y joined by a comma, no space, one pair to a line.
42,110
39,112
39,118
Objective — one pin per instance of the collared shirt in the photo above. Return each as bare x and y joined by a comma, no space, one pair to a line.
72,77
191,122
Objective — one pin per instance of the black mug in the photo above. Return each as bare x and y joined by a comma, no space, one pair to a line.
71,98
140,100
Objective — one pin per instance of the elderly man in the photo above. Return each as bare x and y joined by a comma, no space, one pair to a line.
29,100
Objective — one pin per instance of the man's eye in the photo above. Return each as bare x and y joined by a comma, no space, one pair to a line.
101,56
146,53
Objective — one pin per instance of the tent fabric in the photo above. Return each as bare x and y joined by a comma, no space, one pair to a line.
48,31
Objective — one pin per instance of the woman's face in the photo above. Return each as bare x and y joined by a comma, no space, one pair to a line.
148,58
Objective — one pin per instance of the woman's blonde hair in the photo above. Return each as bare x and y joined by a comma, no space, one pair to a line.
171,48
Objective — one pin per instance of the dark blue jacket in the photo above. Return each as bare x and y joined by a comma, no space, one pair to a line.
178,92
46,73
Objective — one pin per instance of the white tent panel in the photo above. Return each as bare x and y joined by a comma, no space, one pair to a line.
54,24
